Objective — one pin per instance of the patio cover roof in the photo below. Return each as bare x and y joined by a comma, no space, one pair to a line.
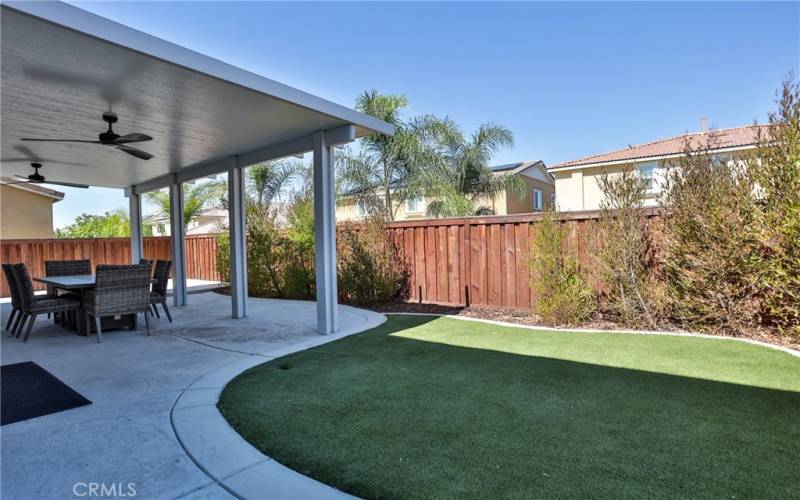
62,67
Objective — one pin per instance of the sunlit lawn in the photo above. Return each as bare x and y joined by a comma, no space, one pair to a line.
422,407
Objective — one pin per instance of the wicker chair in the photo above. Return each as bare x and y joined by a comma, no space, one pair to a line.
159,293
118,290
148,263
32,306
66,268
16,303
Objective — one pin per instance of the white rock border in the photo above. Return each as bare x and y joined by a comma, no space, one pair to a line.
787,350
223,455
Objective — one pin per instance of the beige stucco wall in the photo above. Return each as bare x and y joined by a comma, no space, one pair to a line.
580,189
523,204
25,215
346,210
502,204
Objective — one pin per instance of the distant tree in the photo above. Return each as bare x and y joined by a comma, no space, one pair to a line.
270,180
196,198
463,178
385,172
113,224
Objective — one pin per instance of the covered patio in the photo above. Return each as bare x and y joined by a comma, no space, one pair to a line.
63,68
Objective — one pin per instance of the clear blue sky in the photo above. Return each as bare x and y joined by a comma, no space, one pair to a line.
569,79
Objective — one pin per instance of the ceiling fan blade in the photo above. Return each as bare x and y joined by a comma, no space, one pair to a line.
11,183
68,184
58,140
131,138
21,177
40,160
133,151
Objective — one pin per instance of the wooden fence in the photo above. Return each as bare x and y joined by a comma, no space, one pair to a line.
459,261
200,254
484,260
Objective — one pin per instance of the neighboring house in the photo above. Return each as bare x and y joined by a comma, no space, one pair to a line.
210,221
26,210
576,181
538,195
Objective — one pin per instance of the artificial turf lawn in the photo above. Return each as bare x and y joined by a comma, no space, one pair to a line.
424,407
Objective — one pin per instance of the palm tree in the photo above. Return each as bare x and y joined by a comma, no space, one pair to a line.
196,197
386,170
463,177
268,181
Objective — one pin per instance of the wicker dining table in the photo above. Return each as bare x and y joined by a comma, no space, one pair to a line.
80,283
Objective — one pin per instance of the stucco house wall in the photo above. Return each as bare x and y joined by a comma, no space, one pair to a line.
533,174
25,214
577,182
580,189
523,204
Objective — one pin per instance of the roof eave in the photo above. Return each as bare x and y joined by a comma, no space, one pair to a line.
641,159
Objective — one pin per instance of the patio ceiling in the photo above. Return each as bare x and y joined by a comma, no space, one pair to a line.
62,67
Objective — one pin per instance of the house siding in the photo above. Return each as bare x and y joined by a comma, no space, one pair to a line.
25,215
580,189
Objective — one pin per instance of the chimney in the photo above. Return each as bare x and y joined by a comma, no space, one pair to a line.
703,123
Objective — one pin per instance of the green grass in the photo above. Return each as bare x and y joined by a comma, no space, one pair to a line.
440,408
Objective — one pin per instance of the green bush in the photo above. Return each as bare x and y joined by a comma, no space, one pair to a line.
298,270
634,295
280,261
560,294
277,266
776,172
732,230
710,242
368,264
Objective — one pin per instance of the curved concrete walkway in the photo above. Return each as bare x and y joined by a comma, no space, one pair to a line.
233,463
153,420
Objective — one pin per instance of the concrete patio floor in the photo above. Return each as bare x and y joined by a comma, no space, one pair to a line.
127,434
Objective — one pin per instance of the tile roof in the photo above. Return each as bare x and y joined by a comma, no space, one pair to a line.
724,138
518,166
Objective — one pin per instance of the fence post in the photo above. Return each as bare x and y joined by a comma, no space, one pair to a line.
468,260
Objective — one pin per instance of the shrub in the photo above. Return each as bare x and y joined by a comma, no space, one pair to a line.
368,264
731,247
776,171
298,272
561,296
277,266
710,241
634,295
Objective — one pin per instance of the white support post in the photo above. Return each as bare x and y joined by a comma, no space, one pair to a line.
178,244
135,216
238,248
325,236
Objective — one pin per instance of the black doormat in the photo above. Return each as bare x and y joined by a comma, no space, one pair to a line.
30,391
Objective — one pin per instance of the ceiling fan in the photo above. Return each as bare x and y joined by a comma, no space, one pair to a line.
37,178
110,138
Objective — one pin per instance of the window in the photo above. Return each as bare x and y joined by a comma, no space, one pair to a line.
415,205
361,209
552,201
537,199
646,174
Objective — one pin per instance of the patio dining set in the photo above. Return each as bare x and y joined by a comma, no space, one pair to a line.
112,297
